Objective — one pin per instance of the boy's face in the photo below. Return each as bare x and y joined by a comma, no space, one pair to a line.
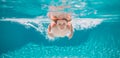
61,24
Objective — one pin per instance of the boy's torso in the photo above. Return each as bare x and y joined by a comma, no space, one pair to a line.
59,33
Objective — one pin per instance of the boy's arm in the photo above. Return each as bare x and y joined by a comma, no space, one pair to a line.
49,31
71,31
49,28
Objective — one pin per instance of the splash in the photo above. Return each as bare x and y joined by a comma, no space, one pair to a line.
40,24
82,24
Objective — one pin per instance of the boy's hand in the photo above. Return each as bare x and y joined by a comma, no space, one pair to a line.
71,30
51,35
70,36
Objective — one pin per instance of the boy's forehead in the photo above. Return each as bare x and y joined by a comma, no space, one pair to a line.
61,21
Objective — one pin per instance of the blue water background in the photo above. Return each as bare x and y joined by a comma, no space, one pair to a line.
102,41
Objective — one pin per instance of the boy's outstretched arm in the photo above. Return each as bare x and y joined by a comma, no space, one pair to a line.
49,28
49,31
71,31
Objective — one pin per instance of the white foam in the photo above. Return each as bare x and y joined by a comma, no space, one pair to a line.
39,24
81,24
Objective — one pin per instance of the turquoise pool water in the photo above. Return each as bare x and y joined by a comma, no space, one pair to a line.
23,26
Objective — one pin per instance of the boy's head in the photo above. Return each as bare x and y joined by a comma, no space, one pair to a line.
61,24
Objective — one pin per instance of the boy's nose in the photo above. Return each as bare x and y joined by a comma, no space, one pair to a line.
62,24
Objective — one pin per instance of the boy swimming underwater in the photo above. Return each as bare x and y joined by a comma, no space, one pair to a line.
61,24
